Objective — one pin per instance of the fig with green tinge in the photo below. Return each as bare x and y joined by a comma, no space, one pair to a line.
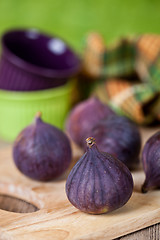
99,182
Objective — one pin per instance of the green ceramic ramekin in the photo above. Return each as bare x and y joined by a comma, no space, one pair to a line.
17,109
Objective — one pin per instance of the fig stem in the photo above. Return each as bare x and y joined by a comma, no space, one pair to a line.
38,114
37,117
90,141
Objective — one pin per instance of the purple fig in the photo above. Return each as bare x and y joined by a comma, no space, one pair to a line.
151,163
99,182
84,117
42,151
120,137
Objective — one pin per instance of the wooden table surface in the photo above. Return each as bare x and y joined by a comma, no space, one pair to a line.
13,204
17,205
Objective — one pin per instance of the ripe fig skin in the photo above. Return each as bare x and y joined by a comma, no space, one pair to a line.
84,116
151,163
120,137
99,183
41,151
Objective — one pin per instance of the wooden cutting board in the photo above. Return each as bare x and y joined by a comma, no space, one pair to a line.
57,219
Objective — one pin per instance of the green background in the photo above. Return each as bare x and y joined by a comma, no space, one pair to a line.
73,19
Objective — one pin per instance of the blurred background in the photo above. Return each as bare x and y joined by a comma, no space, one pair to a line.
73,19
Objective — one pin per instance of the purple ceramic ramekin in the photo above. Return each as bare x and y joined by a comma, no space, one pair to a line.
32,60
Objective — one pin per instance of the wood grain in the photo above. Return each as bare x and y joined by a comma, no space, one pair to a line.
150,233
58,219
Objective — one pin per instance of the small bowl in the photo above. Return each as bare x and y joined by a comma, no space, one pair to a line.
33,61
19,108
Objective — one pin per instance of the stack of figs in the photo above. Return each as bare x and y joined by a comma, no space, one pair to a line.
101,180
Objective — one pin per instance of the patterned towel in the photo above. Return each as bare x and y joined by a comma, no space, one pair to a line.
128,75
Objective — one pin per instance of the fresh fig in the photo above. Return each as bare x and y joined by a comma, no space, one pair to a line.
120,137
99,182
151,163
84,117
42,151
